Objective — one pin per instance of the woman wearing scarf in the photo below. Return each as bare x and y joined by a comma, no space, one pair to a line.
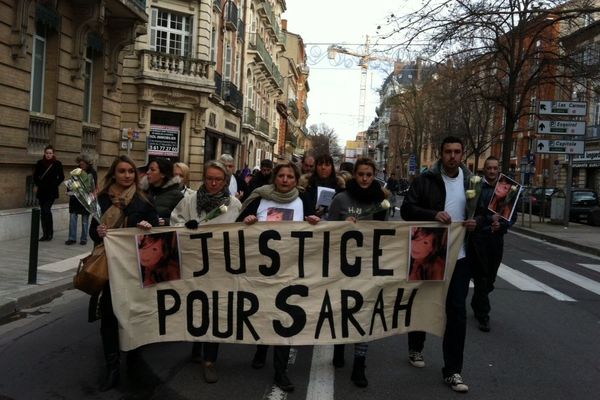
163,188
275,202
123,205
321,180
47,176
362,193
191,209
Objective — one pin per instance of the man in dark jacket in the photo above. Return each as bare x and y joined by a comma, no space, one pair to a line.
263,177
486,245
439,195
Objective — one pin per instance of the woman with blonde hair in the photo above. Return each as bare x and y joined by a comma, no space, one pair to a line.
182,170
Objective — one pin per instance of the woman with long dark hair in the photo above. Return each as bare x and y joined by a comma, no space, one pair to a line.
123,205
47,176
427,254
162,187
323,181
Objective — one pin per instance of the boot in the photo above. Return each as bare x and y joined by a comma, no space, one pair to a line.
112,372
338,356
358,372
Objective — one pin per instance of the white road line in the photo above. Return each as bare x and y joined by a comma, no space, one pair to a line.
321,382
63,265
593,267
567,275
525,282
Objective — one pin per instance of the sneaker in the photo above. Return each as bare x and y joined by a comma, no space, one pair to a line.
210,373
283,382
70,242
456,383
415,358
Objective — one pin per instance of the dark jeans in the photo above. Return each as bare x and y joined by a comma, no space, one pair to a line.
46,217
486,256
109,326
281,354
456,321
210,350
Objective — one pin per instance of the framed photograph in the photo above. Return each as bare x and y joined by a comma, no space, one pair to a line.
158,257
280,214
427,253
505,197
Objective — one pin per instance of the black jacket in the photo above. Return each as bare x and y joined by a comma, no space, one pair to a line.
48,182
166,198
138,210
427,195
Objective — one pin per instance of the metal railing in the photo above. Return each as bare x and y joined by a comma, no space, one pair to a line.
218,84
293,107
262,125
232,95
249,116
231,16
241,29
275,133
39,132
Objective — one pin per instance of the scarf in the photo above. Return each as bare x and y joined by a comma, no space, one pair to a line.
207,202
47,163
114,217
268,192
372,194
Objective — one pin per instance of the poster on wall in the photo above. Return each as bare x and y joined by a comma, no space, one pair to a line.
163,140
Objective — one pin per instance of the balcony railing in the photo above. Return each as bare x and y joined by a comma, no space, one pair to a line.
175,64
232,95
275,133
264,54
89,138
241,30
249,116
277,76
262,125
218,84
293,108
141,4
231,16
305,107
217,5
39,132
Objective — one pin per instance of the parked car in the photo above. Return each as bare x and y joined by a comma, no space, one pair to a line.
539,197
583,201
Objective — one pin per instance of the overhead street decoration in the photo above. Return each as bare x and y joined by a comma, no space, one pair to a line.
566,108
559,146
576,128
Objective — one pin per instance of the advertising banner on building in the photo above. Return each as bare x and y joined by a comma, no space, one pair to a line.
163,140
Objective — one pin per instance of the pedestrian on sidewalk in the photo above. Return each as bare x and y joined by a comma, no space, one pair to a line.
76,208
281,199
192,209
438,194
486,245
47,176
362,193
123,205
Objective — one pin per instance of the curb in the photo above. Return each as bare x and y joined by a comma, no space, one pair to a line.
36,295
552,239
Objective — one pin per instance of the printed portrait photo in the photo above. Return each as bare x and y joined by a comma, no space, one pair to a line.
427,254
158,258
504,199
280,214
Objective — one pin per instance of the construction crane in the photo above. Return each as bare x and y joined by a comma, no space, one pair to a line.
364,59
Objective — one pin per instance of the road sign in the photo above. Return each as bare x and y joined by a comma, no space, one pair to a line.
559,146
567,108
561,127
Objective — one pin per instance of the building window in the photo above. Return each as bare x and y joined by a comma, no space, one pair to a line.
171,33
213,45
38,66
227,69
88,84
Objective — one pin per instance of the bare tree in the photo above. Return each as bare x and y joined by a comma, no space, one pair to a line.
513,47
324,140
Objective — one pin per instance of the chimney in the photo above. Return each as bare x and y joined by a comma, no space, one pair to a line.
284,24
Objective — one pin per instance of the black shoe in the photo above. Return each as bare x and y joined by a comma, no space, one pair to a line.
44,239
484,324
112,372
83,242
338,356
358,372
70,242
258,361
283,382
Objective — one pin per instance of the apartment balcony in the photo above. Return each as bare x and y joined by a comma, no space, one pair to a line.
249,116
291,139
305,108
125,8
293,108
38,136
174,70
218,84
274,133
265,10
231,16
232,96
262,125
217,5
241,30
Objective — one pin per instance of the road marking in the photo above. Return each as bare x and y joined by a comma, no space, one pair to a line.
567,275
63,265
322,376
593,267
578,252
525,282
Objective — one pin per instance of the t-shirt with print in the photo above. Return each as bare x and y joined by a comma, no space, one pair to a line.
269,210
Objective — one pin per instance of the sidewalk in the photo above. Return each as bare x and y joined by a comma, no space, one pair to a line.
57,262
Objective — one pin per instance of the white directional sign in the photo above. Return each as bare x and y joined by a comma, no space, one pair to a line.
559,146
567,108
561,127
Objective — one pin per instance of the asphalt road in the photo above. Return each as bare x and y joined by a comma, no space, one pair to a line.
544,344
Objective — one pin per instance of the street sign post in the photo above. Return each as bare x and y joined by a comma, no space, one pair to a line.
559,146
576,128
566,108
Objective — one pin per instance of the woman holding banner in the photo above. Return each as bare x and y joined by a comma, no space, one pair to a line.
123,205
213,194
362,200
281,196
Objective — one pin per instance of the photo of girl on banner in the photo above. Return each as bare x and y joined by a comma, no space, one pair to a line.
158,257
427,253
280,214
504,199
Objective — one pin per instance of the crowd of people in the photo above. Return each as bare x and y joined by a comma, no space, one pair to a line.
159,194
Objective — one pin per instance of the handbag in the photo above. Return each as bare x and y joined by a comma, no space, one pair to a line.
92,272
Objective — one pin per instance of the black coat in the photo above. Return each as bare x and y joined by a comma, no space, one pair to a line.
48,182
166,198
138,210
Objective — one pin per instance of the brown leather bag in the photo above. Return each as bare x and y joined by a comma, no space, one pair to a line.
92,272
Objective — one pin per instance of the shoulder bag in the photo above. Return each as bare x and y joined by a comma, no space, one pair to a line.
92,272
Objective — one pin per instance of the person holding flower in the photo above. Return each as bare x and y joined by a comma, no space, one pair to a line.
47,176
84,163
282,195
123,205
440,194
211,204
363,199
486,243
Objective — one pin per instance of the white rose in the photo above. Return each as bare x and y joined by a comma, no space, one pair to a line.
75,185
385,204
223,209
475,179
76,172
470,194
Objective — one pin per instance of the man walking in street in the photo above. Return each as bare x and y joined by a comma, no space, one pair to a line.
486,245
438,194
